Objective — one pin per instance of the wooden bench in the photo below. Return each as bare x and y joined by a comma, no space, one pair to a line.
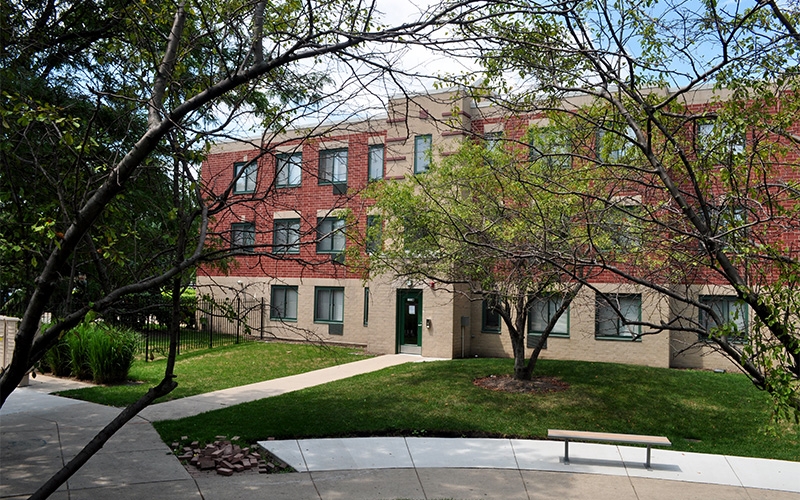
607,437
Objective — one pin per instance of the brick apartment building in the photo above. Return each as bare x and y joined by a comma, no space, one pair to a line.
288,201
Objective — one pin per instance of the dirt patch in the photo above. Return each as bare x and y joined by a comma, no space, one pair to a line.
538,385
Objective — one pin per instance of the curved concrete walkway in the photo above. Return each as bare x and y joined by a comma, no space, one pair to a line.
39,432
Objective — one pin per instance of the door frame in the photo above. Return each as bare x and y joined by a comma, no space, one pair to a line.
402,295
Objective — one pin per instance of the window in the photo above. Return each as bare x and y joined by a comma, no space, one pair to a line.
283,305
715,138
492,139
288,168
330,235
490,320
609,324
243,236
374,237
366,306
612,146
286,237
623,227
542,311
245,175
333,166
422,153
375,161
729,224
729,309
551,146
328,305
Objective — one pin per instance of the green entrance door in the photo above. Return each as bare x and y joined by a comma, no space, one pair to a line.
409,321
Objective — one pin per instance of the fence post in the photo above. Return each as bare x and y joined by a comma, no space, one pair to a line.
211,307
238,317
261,325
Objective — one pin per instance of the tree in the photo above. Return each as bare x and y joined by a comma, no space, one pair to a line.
696,105
490,220
108,101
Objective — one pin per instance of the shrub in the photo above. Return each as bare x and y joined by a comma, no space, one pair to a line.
110,353
94,351
58,359
78,340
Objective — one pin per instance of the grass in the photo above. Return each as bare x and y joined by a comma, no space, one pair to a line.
699,411
210,370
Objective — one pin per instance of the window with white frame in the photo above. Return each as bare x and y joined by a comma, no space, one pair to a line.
283,303
289,169
328,304
333,166
245,175
610,324
730,310
243,236
330,235
422,153
375,161
286,236
542,311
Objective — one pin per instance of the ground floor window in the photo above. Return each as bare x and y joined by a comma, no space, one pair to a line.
366,306
542,311
328,305
611,324
490,320
730,310
283,305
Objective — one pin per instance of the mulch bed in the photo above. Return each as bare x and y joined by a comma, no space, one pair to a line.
506,383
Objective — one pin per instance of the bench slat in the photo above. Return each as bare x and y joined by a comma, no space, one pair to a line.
608,437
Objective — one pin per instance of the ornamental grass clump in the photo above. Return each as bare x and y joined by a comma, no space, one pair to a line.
110,353
95,351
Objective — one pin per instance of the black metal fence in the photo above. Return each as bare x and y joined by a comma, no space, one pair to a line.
204,324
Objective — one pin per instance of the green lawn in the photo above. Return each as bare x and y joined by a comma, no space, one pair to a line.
210,370
699,411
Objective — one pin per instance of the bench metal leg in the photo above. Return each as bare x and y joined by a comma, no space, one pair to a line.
647,464
566,451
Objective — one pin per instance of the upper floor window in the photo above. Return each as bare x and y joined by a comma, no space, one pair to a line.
551,147
286,236
717,140
374,236
289,168
492,139
612,324
620,228
422,153
245,175
330,235
243,236
613,146
542,312
376,153
730,310
333,166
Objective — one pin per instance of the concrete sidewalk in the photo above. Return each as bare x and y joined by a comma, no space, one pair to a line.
39,432
194,405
